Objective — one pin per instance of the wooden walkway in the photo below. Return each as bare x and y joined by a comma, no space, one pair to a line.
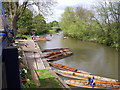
32,59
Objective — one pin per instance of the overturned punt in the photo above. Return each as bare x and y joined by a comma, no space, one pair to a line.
55,53
60,66
54,49
83,76
60,56
98,84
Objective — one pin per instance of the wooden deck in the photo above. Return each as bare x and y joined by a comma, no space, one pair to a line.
33,60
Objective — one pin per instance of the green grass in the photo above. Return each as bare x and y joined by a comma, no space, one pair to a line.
47,80
27,36
52,31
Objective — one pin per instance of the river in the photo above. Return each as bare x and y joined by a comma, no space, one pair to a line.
88,56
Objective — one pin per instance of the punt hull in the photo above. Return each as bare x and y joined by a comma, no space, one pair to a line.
60,66
79,75
100,85
47,50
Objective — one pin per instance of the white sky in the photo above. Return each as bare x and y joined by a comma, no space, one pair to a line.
61,4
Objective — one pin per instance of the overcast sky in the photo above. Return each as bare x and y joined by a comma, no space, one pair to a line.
61,4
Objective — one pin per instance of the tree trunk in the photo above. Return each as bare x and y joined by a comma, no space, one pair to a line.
14,25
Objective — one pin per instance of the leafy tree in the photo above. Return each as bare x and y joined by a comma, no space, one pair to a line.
109,18
15,10
101,25
25,22
54,24
39,24
76,22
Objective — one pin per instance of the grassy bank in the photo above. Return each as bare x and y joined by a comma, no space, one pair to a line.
27,36
47,80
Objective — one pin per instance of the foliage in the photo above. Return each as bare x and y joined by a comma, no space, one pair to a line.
39,24
101,25
25,22
15,10
27,36
52,31
47,79
54,24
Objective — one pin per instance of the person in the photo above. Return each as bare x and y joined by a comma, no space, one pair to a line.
91,82
73,74
26,45
88,81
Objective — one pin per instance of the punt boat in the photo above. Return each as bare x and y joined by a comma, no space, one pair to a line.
55,52
60,66
83,76
59,56
54,49
98,84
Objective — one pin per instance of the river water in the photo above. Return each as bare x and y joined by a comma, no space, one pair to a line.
88,56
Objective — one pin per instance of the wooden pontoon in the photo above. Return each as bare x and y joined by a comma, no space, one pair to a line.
98,84
54,49
60,66
83,76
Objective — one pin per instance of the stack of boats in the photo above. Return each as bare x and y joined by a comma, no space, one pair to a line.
57,53
100,82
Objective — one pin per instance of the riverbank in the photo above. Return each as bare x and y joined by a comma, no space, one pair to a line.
32,58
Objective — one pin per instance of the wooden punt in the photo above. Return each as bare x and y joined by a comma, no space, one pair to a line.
60,66
98,84
54,49
55,52
62,55
41,35
41,39
83,76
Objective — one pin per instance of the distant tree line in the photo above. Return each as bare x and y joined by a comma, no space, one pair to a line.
99,25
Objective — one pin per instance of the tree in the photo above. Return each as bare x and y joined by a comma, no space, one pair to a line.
39,24
15,10
108,13
54,24
101,26
76,22
25,22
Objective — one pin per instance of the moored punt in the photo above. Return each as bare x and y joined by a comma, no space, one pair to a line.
41,39
98,84
56,52
54,49
41,35
80,75
60,66
59,56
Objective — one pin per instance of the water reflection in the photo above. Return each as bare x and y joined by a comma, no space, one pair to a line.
92,57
